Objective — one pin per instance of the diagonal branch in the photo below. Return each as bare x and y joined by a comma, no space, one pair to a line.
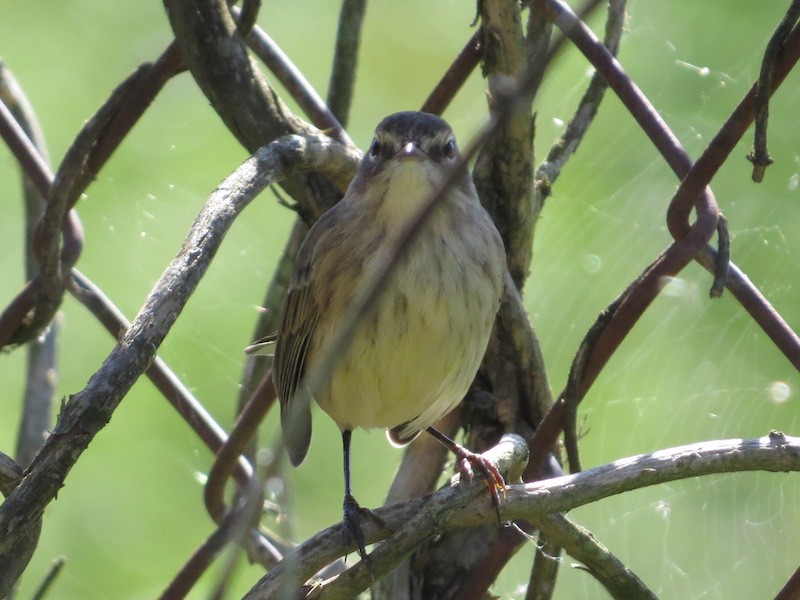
216,54
619,580
88,411
691,242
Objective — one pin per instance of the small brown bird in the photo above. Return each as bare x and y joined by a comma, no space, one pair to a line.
414,359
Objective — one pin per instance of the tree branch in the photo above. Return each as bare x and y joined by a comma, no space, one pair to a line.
461,506
216,55
345,58
620,582
426,515
89,410
759,156
42,368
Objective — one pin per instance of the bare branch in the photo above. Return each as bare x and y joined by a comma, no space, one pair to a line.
503,171
42,374
620,582
296,84
10,474
425,517
216,55
576,129
89,410
345,58
759,156
459,506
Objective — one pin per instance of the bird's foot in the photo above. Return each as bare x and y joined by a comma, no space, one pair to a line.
466,460
353,513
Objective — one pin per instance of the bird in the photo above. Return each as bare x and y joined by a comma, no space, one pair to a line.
414,358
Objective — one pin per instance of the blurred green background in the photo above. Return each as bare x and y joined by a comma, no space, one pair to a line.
131,511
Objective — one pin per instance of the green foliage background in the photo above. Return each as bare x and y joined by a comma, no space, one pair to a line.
692,370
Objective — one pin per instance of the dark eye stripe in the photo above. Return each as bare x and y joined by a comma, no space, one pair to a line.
375,148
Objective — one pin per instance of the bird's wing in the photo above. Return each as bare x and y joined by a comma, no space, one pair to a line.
264,346
299,320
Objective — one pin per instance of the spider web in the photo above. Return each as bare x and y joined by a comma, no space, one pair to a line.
692,369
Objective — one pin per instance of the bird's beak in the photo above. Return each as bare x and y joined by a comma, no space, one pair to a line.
410,150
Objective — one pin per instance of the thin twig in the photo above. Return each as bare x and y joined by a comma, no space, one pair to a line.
229,453
723,261
33,164
345,58
248,15
455,77
296,84
49,578
759,156
546,563
578,125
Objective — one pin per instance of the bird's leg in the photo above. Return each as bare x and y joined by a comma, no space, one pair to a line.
352,510
466,460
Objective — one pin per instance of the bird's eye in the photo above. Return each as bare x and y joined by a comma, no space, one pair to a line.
450,148
375,148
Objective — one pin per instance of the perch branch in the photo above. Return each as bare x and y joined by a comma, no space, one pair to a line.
421,521
459,505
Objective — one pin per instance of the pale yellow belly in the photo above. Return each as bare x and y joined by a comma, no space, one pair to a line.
414,362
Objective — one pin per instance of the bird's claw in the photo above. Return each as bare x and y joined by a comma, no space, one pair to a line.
353,513
466,460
